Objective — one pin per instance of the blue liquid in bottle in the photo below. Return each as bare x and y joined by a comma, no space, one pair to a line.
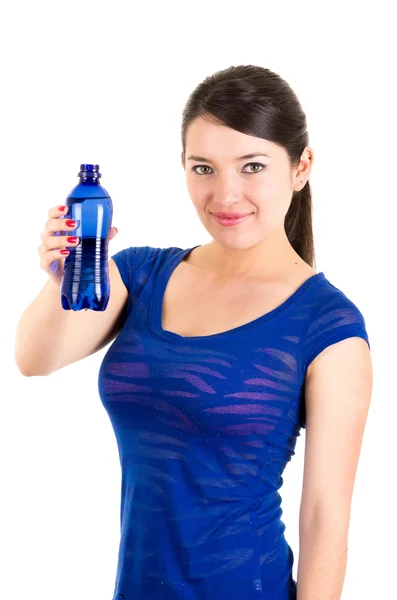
85,281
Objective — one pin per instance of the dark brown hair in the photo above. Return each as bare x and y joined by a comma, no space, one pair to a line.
258,102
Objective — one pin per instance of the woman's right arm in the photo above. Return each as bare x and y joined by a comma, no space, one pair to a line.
48,337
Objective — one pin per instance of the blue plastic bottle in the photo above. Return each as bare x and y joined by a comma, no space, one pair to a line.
85,281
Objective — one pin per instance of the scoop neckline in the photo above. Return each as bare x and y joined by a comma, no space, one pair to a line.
157,299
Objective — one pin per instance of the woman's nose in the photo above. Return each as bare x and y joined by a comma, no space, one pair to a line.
226,190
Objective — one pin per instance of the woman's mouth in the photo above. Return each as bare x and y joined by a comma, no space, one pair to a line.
229,219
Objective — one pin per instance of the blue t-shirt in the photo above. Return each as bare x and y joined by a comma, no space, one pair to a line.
205,426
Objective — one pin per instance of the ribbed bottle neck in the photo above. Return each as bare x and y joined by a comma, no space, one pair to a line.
89,180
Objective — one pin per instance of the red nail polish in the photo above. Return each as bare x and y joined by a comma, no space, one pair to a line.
62,208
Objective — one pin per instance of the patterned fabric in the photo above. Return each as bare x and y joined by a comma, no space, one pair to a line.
205,426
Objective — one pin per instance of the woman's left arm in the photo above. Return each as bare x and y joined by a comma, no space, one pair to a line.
338,389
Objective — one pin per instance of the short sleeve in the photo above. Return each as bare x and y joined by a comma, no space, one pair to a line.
135,264
332,320
120,258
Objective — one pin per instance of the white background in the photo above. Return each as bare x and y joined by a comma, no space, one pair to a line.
106,83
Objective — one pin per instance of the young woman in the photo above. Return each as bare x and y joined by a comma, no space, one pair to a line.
221,353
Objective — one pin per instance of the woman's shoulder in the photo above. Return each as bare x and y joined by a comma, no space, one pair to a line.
139,255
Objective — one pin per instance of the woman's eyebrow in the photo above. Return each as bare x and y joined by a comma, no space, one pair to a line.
252,155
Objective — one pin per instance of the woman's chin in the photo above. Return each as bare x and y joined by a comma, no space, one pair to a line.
234,242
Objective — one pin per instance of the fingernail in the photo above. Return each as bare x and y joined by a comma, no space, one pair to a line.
62,208
116,229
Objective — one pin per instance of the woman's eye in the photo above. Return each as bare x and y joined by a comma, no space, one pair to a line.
247,165
255,165
200,167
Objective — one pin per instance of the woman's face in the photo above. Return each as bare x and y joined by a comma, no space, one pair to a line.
219,180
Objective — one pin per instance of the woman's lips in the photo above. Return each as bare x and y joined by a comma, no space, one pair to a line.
231,218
